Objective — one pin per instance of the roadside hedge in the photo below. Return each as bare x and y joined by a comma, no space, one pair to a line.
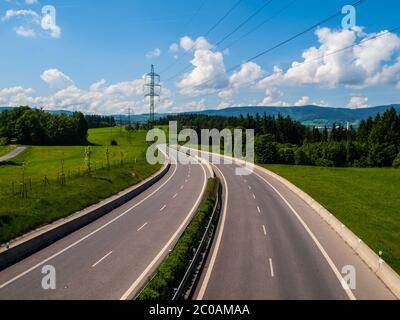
172,270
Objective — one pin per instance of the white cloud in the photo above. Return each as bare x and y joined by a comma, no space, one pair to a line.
34,22
209,73
358,101
303,102
272,99
174,48
25,32
360,66
20,13
200,43
99,98
56,79
153,53
31,2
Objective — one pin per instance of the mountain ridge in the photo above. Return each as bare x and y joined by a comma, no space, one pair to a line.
311,115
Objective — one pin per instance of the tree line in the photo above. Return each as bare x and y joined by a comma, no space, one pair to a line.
28,126
282,140
97,121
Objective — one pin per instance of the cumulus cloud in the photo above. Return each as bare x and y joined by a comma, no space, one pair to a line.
358,67
56,79
33,22
303,102
209,73
201,43
358,101
273,99
99,98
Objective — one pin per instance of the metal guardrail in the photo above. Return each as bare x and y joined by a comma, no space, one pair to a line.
188,284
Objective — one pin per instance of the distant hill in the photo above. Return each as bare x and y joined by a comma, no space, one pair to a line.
308,115
66,112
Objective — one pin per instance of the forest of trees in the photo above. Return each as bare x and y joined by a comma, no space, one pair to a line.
375,143
36,127
96,121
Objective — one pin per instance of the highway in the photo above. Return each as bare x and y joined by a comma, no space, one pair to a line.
113,257
271,245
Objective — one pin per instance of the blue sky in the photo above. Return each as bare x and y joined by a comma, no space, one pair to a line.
94,57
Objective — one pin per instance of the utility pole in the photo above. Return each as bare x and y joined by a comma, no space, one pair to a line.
153,90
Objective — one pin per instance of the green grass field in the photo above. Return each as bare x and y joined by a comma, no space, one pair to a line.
49,202
5,149
366,200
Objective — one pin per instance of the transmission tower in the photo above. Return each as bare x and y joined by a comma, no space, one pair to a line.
153,90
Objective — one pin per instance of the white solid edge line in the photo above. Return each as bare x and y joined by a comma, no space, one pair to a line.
142,226
102,259
314,238
204,285
88,235
272,268
144,274
311,234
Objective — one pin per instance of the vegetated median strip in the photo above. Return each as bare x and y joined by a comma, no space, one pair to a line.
145,274
171,271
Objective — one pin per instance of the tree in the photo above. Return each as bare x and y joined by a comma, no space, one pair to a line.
265,149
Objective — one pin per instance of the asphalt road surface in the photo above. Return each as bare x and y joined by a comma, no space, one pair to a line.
12,154
113,257
271,245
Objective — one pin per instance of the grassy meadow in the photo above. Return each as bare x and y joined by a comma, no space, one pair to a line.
366,200
48,199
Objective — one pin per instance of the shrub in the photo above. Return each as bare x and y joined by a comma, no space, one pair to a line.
3,141
396,162
114,142
266,149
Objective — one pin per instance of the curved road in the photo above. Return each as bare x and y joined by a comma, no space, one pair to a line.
271,245
12,154
112,257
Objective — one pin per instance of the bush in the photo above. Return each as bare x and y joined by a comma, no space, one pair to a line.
396,162
286,154
266,149
114,142
3,141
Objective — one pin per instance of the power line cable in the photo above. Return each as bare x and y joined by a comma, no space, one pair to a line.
360,44
223,39
231,9
258,55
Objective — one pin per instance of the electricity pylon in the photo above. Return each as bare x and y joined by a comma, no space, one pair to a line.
153,89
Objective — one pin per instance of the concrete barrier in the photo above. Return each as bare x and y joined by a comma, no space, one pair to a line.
43,237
